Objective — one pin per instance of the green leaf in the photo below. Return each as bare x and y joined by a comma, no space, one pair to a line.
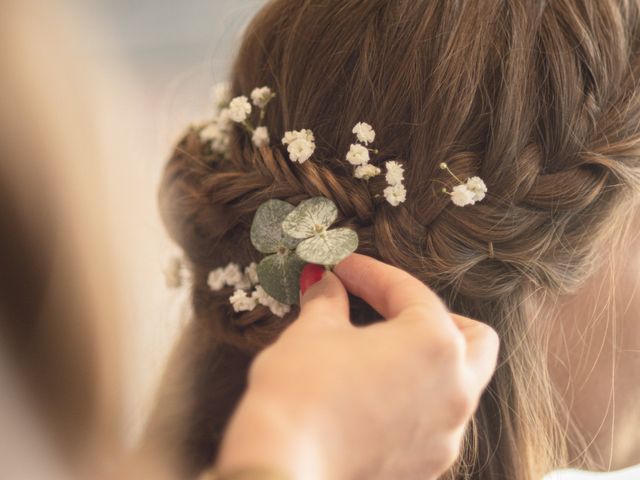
266,230
328,248
302,222
279,275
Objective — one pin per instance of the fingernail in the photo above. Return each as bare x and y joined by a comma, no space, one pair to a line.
311,273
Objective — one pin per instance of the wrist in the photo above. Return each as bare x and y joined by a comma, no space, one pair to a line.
264,433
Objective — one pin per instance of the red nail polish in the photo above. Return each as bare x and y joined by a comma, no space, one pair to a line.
311,273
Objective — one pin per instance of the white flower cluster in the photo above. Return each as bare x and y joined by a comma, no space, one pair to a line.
243,280
395,193
300,144
262,96
359,155
232,276
216,132
466,193
238,110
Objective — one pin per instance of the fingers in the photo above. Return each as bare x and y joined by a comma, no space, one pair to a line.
389,290
325,302
482,349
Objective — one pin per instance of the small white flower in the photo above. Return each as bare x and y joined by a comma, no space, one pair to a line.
209,132
221,93
476,186
395,173
242,302
304,134
263,298
364,133
462,196
218,137
358,155
279,309
224,120
260,137
366,171
395,194
239,109
300,150
251,272
216,279
232,274
301,144
261,96
173,273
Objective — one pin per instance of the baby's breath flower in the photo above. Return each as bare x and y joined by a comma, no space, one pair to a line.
224,119
364,132
239,109
260,137
216,279
366,171
262,96
300,150
395,173
251,272
304,134
209,132
232,274
263,298
301,144
242,302
221,93
476,186
279,309
462,196
216,135
358,155
395,194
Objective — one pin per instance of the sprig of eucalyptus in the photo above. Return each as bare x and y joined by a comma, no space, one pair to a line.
293,236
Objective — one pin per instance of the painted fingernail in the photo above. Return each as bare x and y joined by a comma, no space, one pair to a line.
311,273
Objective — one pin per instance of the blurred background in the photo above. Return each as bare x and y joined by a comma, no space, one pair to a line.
170,54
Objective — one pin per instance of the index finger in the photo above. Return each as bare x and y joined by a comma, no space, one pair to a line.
389,290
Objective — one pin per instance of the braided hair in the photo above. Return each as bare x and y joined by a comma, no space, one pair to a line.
538,98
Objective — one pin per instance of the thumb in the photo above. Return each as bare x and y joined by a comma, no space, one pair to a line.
483,345
323,298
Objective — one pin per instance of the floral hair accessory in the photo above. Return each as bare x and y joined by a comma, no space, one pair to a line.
359,155
217,131
239,109
291,237
364,132
309,222
466,192
301,144
247,293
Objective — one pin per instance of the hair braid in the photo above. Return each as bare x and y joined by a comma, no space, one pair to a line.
539,99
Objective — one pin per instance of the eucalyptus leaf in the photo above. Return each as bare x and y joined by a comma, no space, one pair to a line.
279,275
302,221
328,248
266,230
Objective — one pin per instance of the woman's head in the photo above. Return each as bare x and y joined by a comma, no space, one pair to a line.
537,98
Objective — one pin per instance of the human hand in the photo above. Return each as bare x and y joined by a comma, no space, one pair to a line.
390,400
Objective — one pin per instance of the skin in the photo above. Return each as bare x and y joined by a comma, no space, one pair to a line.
595,358
304,416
